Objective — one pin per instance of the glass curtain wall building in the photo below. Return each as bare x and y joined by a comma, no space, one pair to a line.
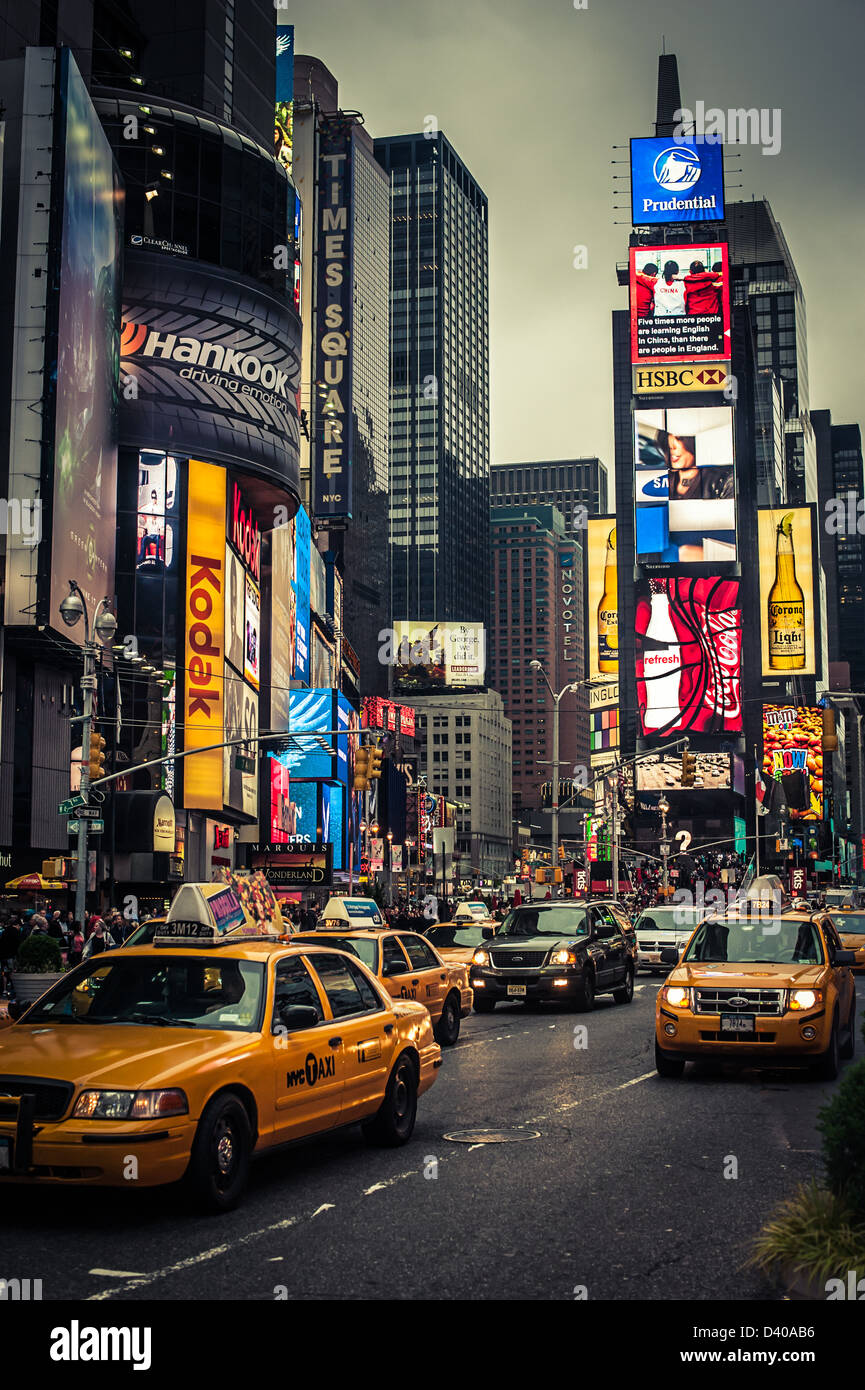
439,392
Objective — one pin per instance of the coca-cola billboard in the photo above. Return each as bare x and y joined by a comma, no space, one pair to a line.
689,657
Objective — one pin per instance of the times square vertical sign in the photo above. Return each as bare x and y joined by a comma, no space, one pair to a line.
333,323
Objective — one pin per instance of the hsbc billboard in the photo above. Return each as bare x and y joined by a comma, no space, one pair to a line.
210,365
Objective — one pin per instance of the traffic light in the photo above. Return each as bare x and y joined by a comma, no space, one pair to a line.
829,739
561,851
374,763
540,876
97,756
361,770
689,768
558,876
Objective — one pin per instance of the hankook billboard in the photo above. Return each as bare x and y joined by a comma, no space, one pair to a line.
211,363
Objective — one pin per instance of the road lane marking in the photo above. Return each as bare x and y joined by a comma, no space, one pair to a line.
118,1273
586,1100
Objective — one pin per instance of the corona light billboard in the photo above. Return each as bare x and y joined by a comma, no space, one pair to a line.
689,656
602,610
788,603
204,694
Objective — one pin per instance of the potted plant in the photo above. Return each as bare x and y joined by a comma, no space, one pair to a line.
38,966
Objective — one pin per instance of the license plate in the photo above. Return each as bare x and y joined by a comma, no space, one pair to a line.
517,991
655,955
5,1155
737,1023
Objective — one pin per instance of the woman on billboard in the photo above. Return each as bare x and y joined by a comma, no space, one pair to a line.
686,480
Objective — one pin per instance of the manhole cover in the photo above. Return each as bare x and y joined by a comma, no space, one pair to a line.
492,1136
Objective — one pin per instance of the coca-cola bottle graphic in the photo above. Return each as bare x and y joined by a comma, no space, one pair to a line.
662,662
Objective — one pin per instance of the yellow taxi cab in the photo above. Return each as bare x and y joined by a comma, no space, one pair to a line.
458,940
403,961
850,926
760,987
185,1058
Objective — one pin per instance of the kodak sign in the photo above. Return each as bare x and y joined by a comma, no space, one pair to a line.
204,698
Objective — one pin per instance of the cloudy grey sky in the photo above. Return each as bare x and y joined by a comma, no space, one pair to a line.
535,93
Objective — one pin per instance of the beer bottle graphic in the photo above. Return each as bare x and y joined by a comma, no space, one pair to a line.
786,605
608,612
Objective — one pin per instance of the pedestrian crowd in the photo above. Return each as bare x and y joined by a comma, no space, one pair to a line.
77,941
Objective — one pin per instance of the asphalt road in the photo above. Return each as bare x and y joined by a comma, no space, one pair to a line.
627,1192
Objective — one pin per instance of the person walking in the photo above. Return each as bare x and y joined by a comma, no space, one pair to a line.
99,940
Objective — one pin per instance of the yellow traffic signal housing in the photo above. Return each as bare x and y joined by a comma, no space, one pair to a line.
689,768
829,739
361,770
374,763
561,851
540,876
558,876
97,756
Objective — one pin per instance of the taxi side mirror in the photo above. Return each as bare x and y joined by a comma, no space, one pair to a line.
488,932
294,1017
841,958
14,1009
669,956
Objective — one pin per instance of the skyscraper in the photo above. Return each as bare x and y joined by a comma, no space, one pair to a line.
564,483
439,391
839,468
537,614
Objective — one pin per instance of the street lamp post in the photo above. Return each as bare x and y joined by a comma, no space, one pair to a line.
663,807
571,687
72,609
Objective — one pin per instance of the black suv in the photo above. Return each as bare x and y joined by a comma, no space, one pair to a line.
556,950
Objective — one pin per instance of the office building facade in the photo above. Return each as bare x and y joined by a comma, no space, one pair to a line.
574,486
439,388
537,613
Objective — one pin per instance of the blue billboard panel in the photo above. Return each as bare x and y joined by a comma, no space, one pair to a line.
303,542
332,821
676,180
305,798
311,710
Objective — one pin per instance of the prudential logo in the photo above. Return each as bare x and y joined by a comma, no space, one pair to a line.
677,169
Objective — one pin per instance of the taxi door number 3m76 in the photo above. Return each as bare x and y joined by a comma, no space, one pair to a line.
408,992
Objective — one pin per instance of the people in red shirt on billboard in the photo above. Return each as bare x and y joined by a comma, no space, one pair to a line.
703,289
670,291
644,281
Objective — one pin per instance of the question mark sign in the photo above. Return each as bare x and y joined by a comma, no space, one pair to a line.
684,839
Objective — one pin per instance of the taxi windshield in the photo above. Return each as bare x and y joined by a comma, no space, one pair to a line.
772,941
670,918
361,946
158,990
455,934
544,921
851,922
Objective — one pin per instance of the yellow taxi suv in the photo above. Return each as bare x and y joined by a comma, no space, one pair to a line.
184,1059
758,987
850,926
408,967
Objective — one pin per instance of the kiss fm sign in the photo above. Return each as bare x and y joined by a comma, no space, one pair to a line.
204,692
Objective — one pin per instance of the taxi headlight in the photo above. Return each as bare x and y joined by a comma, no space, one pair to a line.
563,957
130,1105
481,958
677,996
805,998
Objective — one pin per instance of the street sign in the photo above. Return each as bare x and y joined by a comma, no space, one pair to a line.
89,812
665,848
244,764
72,826
66,806
95,827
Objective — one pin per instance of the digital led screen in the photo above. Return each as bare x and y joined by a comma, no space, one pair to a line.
685,486
680,304
689,656
676,180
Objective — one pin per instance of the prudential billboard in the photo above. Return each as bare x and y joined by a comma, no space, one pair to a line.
676,180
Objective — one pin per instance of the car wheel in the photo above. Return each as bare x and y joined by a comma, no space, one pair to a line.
448,1027
665,1065
484,1006
585,996
829,1065
848,1048
626,993
221,1152
394,1122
